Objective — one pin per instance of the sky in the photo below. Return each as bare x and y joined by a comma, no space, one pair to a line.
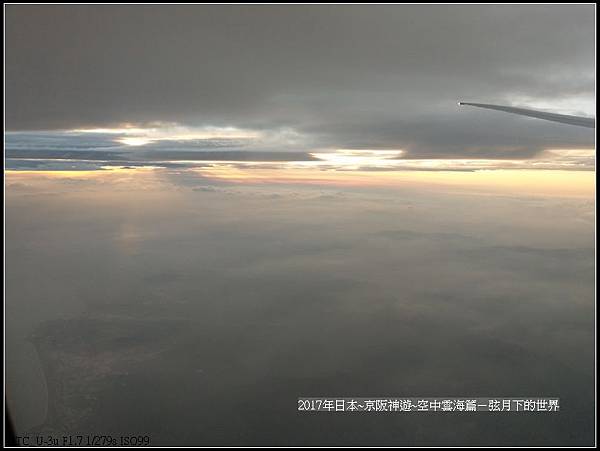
214,210
304,78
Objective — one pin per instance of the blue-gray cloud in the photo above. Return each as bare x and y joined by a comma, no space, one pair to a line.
385,76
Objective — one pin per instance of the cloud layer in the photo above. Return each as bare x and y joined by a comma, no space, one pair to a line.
350,76
211,307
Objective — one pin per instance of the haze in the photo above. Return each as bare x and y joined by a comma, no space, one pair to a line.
214,210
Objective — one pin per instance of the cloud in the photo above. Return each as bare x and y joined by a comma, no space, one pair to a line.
149,292
383,76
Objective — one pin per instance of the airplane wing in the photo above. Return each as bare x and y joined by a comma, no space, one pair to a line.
580,121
